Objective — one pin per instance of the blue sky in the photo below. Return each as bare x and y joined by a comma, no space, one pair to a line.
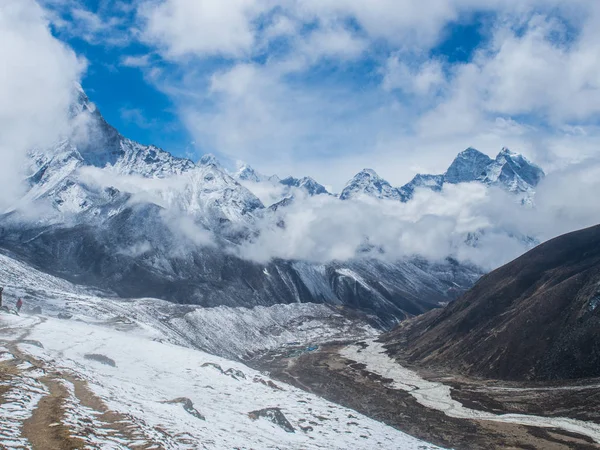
144,113
303,88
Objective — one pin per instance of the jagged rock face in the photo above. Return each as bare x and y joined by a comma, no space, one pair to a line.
469,165
135,254
309,185
513,171
367,182
247,173
536,318
433,182
509,171
99,144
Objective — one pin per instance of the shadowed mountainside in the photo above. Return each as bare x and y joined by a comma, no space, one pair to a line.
536,318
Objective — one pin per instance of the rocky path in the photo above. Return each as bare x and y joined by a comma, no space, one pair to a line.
44,408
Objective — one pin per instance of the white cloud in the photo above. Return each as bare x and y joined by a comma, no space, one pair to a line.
432,225
469,222
263,103
184,27
136,61
37,86
423,79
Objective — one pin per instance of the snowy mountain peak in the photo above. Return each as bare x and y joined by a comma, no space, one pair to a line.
81,103
209,160
367,182
514,172
308,184
468,166
247,173
507,152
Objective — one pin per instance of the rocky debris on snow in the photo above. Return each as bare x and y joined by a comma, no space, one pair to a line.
188,406
268,383
65,315
36,310
213,365
101,359
273,415
233,373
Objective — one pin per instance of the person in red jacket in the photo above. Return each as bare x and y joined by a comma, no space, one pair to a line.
19,305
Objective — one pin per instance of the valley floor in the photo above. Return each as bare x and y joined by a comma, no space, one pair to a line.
79,369
446,410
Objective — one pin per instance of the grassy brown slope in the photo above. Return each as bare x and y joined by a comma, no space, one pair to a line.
532,319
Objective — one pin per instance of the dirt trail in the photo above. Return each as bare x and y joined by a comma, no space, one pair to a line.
48,428
45,428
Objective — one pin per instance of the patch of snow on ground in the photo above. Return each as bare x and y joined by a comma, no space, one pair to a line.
150,374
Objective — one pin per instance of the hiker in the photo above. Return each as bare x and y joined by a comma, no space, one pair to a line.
1,289
19,305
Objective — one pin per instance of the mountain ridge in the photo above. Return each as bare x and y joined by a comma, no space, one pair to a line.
536,318
509,170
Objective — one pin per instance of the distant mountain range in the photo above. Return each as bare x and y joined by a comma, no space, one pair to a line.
509,171
105,211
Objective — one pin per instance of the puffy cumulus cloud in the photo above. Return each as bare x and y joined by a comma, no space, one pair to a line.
420,79
303,86
533,70
105,22
268,193
470,222
432,225
37,86
184,27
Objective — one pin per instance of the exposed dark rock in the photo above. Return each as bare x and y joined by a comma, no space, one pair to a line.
268,383
188,406
101,359
235,374
273,415
536,318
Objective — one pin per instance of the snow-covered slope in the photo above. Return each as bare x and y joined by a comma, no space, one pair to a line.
307,184
135,373
116,385
433,182
101,145
468,166
246,173
231,332
368,183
